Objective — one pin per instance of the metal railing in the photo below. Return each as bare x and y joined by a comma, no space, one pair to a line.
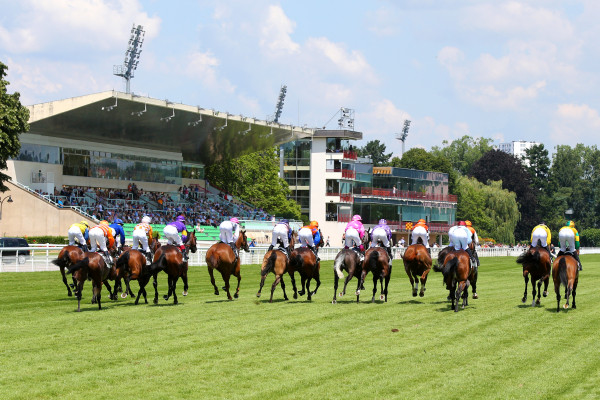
41,256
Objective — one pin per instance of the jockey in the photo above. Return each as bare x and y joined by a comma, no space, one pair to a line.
117,225
355,232
474,238
229,232
460,238
172,231
568,239
541,235
142,233
283,232
99,235
79,232
421,230
309,235
383,233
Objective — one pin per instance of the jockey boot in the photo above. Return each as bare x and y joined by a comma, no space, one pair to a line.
576,256
107,257
235,251
389,251
148,257
476,257
270,248
470,253
183,252
429,251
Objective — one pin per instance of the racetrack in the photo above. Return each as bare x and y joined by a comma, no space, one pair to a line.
208,347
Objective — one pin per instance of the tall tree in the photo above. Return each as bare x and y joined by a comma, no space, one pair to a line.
496,165
463,152
493,210
421,159
255,178
537,163
13,121
376,151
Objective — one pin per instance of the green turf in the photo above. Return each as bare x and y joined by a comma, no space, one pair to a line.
208,347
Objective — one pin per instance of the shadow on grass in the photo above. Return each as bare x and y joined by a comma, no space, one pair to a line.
225,300
410,302
562,310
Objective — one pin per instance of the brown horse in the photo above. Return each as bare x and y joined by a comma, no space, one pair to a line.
92,267
536,262
456,268
277,262
348,260
169,259
220,256
417,264
378,263
131,268
68,256
564,272
305,262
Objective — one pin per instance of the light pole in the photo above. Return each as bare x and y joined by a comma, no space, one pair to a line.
2,200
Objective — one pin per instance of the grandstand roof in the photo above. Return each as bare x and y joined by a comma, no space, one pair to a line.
130,120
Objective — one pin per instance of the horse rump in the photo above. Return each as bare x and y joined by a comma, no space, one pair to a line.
269,265
79,265
337,265
562,272
529,257
448,268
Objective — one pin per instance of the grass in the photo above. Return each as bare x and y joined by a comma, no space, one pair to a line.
208,347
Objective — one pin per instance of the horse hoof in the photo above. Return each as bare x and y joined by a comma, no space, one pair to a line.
358,292
175,302
155,301
166,297
545,294
524,299
334,301
257,294
475,296
69,294
574,306
382,297
123,295
236,296
184,293
421,294
286,298
414,294
566,306
216,292
341,294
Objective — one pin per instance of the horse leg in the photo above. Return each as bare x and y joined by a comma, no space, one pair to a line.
237,290
574,290
360,283
212,280
546,282
533,291
474,284
277,279
78,293
423,281
185,282
262,282
346,281
170,286
375,278
457,295
283,288
96,289
226,277
155,284
111,295
303,281
387,281
309,297
557,290
174,284
64,278
412,284
466,294
382,295
539,292
128,285
335,286
526,277
567,296
318,280
293,279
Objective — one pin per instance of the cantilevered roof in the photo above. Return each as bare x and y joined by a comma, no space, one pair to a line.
129,120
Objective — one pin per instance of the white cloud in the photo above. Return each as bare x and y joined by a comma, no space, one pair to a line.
383,22
203,67
351,63
276,31
575,123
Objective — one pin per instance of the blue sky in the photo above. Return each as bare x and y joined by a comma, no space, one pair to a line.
506,70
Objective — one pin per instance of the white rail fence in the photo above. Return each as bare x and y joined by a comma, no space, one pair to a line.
41,256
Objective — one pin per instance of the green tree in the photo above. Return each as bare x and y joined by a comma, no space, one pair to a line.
13,121
493,210
255,179
537,163
376,151
463,152
426,161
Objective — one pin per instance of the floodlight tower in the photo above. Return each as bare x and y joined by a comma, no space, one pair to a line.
280,100
132,56
402,136
346,119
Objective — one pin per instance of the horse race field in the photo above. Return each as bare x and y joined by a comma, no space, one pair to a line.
208,347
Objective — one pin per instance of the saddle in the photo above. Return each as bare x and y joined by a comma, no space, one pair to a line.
284,251
361,256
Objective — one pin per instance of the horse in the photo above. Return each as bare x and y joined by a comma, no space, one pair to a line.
378,263
132,265
537,263
347,260
277,262
169,259
92,267
305,262
220,256
417,264
68,256
564,272
456,268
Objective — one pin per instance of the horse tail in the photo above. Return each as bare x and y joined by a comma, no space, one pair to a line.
62,261
450,267
158,265
270,264
79,265
539,243
420,240
373,260
562,271
123,261
337,265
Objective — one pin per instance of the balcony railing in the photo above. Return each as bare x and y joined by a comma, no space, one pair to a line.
404,194
350,155
346,173
344,197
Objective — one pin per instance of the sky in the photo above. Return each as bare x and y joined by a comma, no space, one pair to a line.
504,70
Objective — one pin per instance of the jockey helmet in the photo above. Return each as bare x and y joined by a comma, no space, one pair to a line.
235,220
382,222
146,219
180,218
104,222
468,223
285,221
462,223
356,218
314,224
421,221
571,224
118,221
84,223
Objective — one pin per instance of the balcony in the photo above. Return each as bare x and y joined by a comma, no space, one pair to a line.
350,155
404,194
346,173
344,197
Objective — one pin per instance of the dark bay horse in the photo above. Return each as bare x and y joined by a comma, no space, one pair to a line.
564,272
378,263
68,256
130,267
417,264
536,262
220,256
348,260
168,258
92,267
305,262
277,262
456,268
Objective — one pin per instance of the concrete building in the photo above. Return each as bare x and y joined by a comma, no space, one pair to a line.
517,148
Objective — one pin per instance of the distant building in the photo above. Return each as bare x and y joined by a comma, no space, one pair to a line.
517,148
